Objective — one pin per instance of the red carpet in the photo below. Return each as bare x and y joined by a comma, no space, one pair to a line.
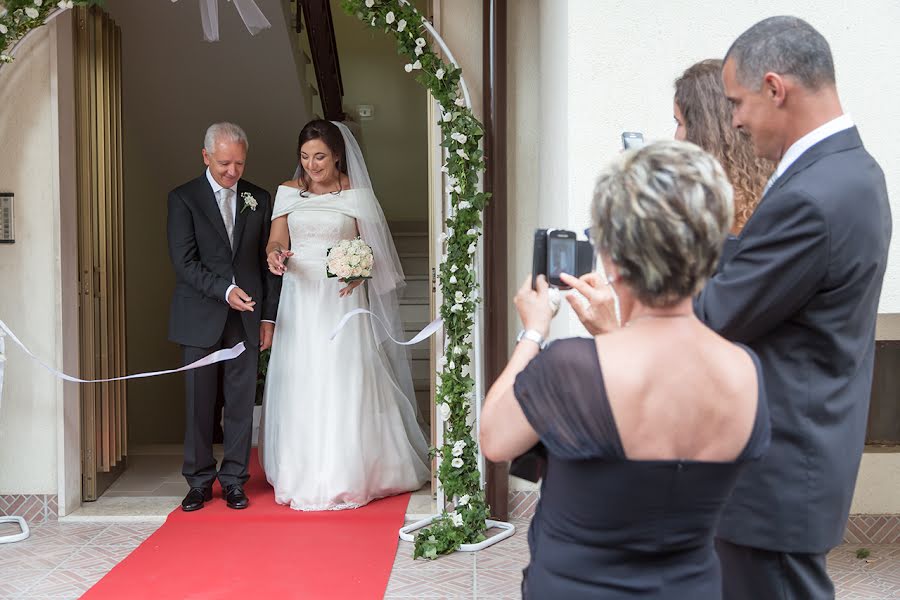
264,551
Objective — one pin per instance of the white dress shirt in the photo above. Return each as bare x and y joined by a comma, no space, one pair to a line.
216,188
811,139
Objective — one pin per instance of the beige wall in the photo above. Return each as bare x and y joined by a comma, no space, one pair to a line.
174,86
607,67
523,148
395,141
30,269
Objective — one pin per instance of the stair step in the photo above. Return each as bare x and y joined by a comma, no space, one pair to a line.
406,299
419,368
418,352
403,227
414,264
423,402
422,346
411,242
414,312
417,288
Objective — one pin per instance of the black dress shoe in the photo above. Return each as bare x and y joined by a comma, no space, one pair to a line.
235,497
195,499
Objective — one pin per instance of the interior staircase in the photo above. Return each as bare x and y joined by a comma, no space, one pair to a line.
411,239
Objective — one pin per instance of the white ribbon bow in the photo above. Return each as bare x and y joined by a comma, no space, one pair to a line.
250,14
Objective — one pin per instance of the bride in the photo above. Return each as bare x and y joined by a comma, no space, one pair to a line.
340,424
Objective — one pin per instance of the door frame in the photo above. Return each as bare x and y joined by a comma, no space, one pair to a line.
496,297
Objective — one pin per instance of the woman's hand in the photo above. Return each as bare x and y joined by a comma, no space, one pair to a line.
350,287
276,259
534,307
599,316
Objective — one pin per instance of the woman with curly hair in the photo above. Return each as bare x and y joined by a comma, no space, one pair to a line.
703,115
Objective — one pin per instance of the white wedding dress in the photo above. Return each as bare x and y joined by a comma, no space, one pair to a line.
337,430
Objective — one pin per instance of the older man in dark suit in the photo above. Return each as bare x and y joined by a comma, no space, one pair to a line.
800,286
218,227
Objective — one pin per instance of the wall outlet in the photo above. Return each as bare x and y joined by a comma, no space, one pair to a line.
366,112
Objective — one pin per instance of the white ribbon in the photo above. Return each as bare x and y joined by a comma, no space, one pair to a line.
251,15
428,331
217,356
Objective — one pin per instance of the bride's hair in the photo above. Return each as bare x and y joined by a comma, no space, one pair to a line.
329,133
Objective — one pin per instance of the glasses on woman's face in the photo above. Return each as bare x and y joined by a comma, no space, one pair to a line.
590,238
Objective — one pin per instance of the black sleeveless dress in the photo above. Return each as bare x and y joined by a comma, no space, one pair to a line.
607,526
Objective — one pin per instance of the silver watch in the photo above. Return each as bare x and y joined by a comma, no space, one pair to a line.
533,335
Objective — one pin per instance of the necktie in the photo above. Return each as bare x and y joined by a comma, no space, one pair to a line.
227,213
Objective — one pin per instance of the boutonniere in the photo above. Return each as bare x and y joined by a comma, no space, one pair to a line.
249,201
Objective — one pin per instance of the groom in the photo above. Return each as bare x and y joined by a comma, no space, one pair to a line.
218,227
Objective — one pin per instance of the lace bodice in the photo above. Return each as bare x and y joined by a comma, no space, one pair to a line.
316,223
314,232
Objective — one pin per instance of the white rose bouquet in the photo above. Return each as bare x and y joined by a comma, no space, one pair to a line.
350,260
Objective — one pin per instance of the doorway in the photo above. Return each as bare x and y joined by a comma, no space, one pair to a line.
170,94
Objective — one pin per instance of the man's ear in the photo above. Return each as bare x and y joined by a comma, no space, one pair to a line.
775,88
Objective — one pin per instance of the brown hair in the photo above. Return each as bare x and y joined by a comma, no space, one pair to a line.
700,96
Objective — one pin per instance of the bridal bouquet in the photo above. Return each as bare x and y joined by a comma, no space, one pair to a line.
349,260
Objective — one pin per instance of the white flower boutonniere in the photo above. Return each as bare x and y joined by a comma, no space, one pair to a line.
249,201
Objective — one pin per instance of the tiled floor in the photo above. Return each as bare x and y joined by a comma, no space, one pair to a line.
62,560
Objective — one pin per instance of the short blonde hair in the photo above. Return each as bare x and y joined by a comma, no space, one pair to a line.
661,214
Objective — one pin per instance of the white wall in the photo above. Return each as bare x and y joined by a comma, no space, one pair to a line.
30,269
624,57
174,86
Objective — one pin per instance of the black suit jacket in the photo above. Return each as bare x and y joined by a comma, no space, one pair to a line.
205,263
801,288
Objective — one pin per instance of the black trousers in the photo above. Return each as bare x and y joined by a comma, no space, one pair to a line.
239,391
754,574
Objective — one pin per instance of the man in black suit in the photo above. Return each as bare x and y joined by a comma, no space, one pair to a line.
218,227
801,289
800,286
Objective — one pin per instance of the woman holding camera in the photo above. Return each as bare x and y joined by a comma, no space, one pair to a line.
647,427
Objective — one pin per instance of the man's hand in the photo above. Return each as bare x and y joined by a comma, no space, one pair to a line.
239,300
599,316
266,331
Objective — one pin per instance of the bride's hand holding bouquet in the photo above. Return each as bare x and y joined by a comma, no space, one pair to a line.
351,262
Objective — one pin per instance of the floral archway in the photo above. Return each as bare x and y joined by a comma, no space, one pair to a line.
458,470
457,456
